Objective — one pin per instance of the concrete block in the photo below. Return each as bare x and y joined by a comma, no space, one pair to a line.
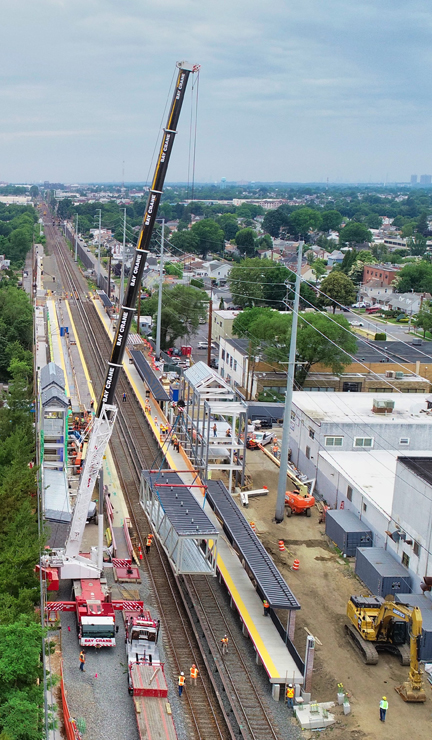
305,695
313,720
276,691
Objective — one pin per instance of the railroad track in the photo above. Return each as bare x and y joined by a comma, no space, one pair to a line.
226,702
134,448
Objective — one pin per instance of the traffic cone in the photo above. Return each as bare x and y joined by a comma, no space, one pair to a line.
96,675
281,546
140,552
295,565
253,526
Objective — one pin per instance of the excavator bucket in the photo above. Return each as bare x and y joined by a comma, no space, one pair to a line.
411,693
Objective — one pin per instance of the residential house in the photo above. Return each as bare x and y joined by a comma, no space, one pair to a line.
222,322
335,258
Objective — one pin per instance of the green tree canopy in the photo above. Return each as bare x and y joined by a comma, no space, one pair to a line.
418,245
331,220
185,241
303,220
416,277
355,233
210,236
423,320
261,282
339,289
229,224
274,220
246,241
182,308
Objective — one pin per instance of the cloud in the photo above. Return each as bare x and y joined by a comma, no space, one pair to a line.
288,90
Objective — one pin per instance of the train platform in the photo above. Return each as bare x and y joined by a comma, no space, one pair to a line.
276,653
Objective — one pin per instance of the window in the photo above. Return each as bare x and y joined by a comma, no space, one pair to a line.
293,416
235,365
364,507
333,441
416,548
404,441
405,560
221,372
228,356
311,434
366,442
308,453
231,361
223,354
349,493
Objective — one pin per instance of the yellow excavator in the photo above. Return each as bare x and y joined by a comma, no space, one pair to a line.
377,624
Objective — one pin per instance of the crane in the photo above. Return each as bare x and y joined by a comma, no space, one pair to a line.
413,689
68,561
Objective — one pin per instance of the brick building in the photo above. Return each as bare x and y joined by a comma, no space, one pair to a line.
385,275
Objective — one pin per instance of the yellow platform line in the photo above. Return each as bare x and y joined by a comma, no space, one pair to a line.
259,644
55,327
256,637
80,352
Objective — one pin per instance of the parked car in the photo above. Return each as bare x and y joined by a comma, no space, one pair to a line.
356,323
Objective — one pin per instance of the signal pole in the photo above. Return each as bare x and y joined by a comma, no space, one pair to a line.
159,312
280,502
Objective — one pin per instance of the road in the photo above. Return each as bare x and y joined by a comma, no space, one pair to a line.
398,332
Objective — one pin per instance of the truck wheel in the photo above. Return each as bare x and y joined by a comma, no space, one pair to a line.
308,512
130,690
288,511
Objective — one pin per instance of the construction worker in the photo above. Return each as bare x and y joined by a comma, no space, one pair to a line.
193,674
290,696
147,407
224,642
215,430
176,443
82,660
275,450
149,543
92,405
124,397
181,682
383,708
266,606
228,432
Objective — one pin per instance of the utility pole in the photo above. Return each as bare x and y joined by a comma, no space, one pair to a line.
76,239
123,259
210,319
280,501
99,247
159,311
109,273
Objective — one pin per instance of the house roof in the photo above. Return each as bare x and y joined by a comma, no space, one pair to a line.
54,393
52,373
393,352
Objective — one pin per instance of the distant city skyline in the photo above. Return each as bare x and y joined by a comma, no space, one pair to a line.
298,93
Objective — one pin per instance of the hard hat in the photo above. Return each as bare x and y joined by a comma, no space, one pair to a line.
384,698
290,685
182,674
193,665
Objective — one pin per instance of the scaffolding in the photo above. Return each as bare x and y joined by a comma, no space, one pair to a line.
212,424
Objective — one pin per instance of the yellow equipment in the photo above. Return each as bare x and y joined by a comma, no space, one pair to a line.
377,624
413,689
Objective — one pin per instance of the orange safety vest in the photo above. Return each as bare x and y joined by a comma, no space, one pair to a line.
149,540
224,640
193,672
181,680
82,658
290,693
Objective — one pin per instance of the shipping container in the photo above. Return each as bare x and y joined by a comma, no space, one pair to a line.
425,604
380,572
347,531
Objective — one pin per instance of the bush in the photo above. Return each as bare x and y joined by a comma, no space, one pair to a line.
197,283
380,336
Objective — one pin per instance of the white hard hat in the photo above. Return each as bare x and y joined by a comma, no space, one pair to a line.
182,674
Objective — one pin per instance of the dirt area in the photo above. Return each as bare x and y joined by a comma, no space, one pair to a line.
323,586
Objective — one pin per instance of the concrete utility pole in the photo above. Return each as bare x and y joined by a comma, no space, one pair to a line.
210,319
123,259
76,239
280,502
159,312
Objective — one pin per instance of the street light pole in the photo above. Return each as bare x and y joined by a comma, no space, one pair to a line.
280,502
159,312
99,247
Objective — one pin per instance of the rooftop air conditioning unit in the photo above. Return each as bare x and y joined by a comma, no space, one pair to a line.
390,373
399,374
383,407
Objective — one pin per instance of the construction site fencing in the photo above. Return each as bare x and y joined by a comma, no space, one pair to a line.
71,729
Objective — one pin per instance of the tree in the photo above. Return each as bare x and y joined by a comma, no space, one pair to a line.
355,233
261,282
229,224
304,220
210,236
246,241
244,320
319,268
274,220
373,221
34,191
339,289
423,320
185,241
265,242
418,245
416,277
331,220
422,224
173,269
320,339
357,268
182,308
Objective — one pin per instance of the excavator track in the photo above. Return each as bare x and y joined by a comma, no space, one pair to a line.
367,649
404,654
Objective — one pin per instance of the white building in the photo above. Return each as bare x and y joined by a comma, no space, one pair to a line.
222,323
233,362
357,422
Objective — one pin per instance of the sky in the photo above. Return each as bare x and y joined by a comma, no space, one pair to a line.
288,91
